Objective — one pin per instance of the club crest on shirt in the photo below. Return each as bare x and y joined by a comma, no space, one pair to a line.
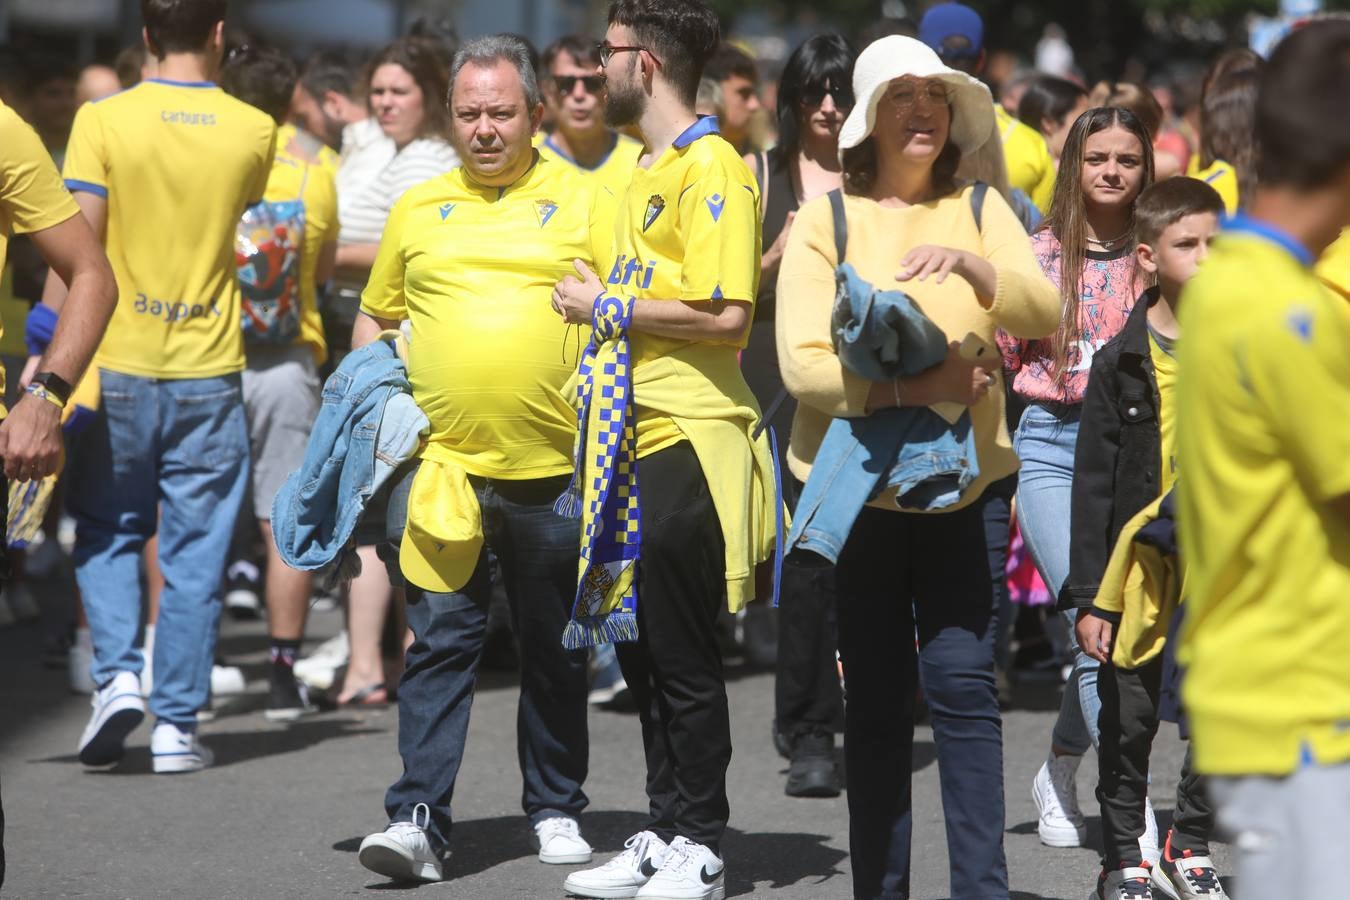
655,204
544,210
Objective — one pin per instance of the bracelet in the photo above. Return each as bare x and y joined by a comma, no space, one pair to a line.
38,390
896,385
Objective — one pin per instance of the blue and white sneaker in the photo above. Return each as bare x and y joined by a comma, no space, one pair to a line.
118,709
690,871
175,750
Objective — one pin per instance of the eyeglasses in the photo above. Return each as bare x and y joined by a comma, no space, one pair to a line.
815,95
593,84
907,95
607,51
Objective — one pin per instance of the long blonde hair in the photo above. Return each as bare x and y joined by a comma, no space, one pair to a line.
1067,218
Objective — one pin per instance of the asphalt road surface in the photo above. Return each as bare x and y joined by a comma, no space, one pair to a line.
283,811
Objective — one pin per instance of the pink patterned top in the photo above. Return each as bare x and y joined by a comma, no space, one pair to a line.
1110,285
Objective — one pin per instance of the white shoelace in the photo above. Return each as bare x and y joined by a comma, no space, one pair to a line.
558,825
634,849
680,857
411,828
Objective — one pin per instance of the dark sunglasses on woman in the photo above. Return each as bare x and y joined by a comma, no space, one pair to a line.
814,95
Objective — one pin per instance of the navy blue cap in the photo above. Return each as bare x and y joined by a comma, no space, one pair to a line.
946,21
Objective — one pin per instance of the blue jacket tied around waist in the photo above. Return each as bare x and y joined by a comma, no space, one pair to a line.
882,335
368,425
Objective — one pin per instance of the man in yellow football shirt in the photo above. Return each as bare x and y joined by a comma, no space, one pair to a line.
34,202
284,342
163,171
469,260
956,33
574,93
1263,395
684,275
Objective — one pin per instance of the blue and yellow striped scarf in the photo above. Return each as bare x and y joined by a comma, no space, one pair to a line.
604,489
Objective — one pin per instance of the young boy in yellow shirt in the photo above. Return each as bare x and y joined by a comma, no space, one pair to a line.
1126,459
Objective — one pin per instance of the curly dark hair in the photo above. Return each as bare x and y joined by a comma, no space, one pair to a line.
422,60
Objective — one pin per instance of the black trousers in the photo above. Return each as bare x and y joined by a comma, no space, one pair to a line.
1129,721
674,669
903,576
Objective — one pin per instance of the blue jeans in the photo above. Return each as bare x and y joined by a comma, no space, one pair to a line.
177,452
902,576
1045,442
537,550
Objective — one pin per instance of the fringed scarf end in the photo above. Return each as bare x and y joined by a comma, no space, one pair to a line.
590,631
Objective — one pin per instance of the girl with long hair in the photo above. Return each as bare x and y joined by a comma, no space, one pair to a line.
1051,105
1227,157
1086,248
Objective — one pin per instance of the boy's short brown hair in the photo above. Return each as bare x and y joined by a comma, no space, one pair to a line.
1169,201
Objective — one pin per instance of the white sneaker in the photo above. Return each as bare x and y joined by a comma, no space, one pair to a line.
1055,791
21,602
118,709
402,852
1148,841
226,681
175,750
79,663
624,875
1189,878
560,842
319,670
690,872
1124,884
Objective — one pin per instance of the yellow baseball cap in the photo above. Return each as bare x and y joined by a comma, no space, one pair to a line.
443,538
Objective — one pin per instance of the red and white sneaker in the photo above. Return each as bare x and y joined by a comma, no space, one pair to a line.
1188,876
1130,883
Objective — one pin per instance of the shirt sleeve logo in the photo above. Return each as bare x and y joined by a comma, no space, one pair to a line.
715,204
544,210
1301,323
446,209
655,204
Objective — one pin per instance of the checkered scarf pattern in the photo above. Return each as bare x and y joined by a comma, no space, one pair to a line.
604,489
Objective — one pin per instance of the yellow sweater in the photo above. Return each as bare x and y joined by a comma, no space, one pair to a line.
1025,305
1143,587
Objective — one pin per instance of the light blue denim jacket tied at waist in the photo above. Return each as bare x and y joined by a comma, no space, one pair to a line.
880,336
368,425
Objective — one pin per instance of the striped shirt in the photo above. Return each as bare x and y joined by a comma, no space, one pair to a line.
364,212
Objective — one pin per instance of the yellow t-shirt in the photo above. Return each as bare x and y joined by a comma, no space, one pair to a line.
293,177
327,157
473,268
1025,304
688,229
1334,266
31,194
615,171
1264,394
1220,176
178,163
1165,373
1025,153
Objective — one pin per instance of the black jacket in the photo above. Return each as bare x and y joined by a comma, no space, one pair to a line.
1117,464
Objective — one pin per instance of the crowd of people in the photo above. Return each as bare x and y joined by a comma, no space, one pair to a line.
592,345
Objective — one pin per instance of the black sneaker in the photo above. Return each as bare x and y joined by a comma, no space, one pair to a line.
812,772
289,698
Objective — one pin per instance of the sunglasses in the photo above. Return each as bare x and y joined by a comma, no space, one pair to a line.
593,84
814,95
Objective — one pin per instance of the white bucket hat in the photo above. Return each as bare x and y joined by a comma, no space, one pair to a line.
896,56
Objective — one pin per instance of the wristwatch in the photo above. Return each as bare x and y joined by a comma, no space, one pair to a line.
54,385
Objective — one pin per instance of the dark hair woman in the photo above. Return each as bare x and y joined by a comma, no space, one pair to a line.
1051,105
1086,248
1227,157
815,94
900,571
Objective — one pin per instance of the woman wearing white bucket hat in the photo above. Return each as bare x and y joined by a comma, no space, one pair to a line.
912,226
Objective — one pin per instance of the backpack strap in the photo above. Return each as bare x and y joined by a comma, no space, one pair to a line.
977,204
840,224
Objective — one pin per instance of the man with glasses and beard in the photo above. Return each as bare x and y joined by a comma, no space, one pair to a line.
675,492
